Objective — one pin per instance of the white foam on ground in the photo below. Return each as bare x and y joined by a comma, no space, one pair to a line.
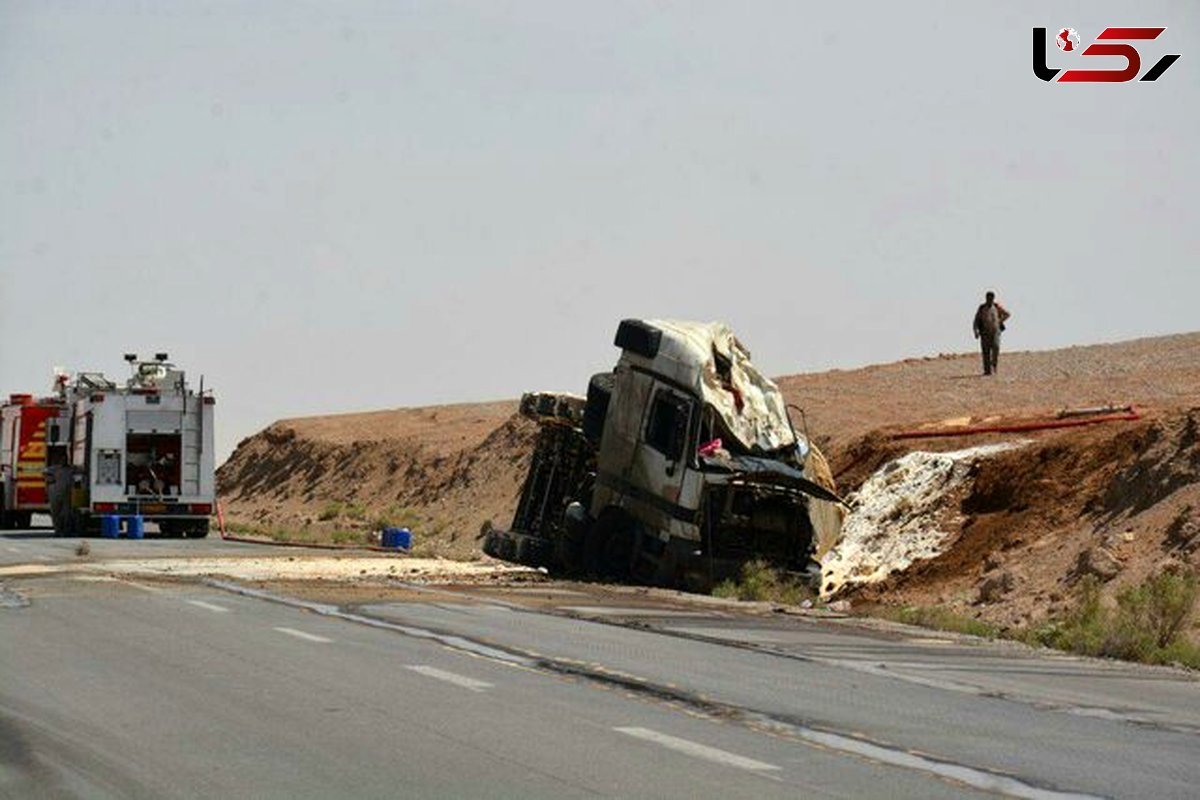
893,521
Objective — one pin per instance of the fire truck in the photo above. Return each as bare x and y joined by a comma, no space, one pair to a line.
142,448
33,435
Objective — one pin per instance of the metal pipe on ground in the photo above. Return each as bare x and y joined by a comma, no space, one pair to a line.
1019,427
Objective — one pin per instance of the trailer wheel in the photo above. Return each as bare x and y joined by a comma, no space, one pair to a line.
609,548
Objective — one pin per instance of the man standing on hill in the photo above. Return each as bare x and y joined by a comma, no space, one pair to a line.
989,322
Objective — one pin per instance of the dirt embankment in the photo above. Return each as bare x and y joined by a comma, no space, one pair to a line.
1116,500
442,471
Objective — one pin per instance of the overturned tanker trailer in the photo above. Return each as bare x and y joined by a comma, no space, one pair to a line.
677,467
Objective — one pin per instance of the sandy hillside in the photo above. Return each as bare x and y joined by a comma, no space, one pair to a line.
1114,499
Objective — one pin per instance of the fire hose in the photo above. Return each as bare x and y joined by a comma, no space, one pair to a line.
1065,420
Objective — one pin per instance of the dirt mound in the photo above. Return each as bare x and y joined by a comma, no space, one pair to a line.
295,475
1117,501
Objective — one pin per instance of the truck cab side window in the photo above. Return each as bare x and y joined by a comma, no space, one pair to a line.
666,431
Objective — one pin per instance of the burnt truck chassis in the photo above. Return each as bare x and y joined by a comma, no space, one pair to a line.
742,515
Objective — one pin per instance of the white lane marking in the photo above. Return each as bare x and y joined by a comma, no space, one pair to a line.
450,677
210,606
142,586
975,778
13,549
639,611
311,637
696,750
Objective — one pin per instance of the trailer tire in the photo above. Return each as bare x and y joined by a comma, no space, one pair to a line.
519,548
609,548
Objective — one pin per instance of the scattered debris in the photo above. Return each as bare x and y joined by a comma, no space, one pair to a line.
318,567
894,517
12,599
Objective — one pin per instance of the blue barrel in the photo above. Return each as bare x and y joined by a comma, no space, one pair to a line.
397,537
110,526
136,526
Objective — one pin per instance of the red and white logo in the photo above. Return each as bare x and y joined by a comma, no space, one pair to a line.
1067,40
1111,42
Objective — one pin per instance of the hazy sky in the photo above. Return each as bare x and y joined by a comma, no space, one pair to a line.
338,206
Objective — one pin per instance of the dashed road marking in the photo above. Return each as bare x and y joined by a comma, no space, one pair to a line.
13,549
310,637
697,750
210,606
450,677
142,586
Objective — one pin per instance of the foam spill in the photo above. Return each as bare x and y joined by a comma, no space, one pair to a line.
893,521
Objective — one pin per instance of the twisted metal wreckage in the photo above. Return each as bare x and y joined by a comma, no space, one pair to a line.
678,466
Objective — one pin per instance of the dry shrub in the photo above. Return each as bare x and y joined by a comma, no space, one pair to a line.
1146,625
941,619
759,581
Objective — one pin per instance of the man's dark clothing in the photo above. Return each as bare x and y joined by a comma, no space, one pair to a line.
989,322
991,353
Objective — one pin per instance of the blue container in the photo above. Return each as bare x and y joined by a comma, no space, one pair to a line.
135,526
397,537
110,526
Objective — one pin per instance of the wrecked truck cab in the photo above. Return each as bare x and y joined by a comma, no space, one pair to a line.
680,465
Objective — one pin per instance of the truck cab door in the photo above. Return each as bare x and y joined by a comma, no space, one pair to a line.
665,444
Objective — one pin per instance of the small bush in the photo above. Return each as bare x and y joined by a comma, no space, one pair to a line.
1146,625
1160,606
397,517
941,619
759,581
348,537
244,529
331,511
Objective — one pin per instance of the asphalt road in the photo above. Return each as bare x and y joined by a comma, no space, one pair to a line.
119,688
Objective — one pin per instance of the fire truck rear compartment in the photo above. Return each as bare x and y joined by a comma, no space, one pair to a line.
152,464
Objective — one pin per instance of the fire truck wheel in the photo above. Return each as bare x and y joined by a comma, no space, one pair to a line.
67,524
198,530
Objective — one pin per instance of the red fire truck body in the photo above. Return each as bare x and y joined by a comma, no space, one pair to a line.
33,436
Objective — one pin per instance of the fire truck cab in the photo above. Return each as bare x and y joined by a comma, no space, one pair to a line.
33,436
